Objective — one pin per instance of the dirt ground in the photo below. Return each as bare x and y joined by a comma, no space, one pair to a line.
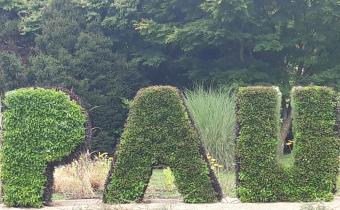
226,204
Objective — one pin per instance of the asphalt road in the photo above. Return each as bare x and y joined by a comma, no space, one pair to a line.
226,204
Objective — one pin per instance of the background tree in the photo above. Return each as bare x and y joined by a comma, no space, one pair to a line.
106,50
11,72
76,54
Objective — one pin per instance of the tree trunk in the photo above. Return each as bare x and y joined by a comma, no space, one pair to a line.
285,128
241,51
338,117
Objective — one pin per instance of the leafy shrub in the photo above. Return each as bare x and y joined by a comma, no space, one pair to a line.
213,111
159,131
42,128
313,175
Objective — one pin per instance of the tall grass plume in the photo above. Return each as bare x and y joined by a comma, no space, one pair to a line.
213,111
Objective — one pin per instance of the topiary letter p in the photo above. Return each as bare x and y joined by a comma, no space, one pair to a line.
42,128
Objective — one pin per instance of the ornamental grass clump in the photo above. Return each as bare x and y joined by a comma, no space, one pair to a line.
213,111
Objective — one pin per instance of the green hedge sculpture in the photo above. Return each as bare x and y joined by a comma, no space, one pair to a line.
160,131
317,144
260,177
258,118
42,128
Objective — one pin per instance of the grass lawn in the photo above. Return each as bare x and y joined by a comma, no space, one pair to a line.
158,189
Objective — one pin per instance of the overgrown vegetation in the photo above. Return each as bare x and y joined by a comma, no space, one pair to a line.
213,111
83,178
42,128
159,131
313,174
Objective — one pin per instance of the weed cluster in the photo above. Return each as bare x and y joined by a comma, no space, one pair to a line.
84,178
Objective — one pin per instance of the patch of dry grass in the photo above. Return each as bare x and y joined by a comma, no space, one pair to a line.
84,178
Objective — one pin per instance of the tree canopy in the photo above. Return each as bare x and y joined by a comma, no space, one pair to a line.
107,49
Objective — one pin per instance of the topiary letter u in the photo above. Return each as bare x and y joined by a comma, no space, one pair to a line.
313,175
159,131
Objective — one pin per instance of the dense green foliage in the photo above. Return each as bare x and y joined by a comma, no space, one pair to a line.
159,131
71,52
41,127
313,175
258,118
317,145
11,72
214,114
106,50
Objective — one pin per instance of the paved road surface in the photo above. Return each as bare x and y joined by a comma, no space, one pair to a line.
226,204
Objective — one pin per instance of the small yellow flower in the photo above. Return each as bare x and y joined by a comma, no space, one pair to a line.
290,142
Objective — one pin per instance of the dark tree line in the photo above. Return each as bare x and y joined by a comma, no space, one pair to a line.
106,50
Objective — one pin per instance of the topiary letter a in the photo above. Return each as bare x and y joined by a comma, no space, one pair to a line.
42,128
159,131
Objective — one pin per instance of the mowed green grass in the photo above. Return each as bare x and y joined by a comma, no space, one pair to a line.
157,187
